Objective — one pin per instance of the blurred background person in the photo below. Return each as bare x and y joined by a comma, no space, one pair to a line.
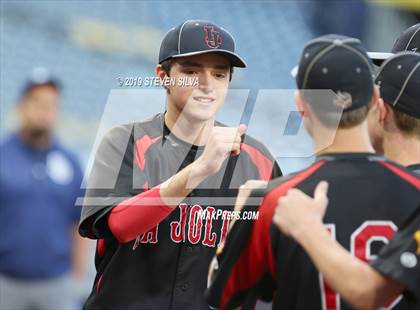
40,251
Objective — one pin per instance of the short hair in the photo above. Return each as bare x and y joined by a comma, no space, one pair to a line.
330,114
409,125
167,65
354,117
347,120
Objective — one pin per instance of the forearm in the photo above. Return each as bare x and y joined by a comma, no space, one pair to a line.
144,211
354,280
174,190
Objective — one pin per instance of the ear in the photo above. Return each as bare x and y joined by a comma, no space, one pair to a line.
301,105
376,94
384,110
374,101
160,72
378,104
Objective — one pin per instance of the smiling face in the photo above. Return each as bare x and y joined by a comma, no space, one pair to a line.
201,100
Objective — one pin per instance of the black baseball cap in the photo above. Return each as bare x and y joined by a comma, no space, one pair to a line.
195,37
399,82
338,63
40,76
408,41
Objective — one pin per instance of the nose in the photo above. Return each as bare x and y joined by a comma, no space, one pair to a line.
205,81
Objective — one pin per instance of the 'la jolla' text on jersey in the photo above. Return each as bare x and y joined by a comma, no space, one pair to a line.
166,267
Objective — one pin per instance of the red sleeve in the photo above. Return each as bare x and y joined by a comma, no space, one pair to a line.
402,173
241,273
137,215
255,260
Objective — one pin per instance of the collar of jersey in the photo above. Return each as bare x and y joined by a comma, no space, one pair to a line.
341,156
175,141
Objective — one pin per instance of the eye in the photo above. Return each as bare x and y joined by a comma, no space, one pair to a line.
190,72
220,75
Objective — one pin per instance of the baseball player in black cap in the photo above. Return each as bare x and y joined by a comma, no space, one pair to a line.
257,260
398,264
408,41
152,181
394,120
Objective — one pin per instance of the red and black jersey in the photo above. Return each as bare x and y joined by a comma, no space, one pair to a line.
400,259
369,198
166,266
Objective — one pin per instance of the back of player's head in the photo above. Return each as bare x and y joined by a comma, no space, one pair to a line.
408,41
340,66
399,82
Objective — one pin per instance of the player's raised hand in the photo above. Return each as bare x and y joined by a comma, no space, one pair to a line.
296,211
222,142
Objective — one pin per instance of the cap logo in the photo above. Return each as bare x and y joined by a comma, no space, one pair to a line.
212,37
343,99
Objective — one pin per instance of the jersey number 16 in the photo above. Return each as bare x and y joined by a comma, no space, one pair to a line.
360,246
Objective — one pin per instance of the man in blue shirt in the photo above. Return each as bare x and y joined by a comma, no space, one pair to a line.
40,250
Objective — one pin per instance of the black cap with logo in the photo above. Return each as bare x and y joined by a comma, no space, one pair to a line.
337,63
408,41
195,37
399,82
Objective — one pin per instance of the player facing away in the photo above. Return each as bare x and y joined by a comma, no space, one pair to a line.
398,263
394,120
394,129
152,181
369,196
407,41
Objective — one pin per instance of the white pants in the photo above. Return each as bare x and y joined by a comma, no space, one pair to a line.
51,294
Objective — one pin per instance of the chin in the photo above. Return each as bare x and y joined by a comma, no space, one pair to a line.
39,131
201,116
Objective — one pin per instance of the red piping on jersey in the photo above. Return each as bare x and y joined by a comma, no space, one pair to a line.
403,174
138,215
142,145
99,283
101,247
257,257
263,164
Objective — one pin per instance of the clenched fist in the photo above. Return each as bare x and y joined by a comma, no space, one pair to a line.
222,142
